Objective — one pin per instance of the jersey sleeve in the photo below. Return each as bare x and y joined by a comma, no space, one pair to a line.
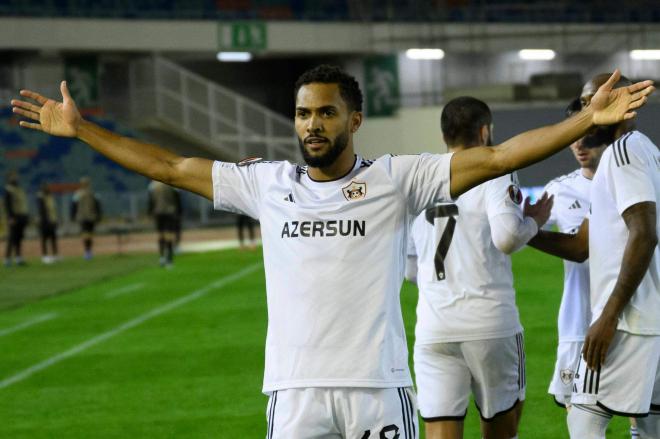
503,196
236,188
424,179
509,229
628,179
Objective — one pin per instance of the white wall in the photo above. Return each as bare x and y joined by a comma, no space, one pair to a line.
316,38
411,131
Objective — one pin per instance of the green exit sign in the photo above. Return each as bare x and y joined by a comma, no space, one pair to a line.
242,36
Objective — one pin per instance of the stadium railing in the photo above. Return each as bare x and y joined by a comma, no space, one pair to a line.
228,123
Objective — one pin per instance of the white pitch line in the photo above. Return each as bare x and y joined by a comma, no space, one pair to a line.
123,290
26,373
27,324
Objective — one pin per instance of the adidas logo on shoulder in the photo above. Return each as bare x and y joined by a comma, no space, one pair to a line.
289,198
576,205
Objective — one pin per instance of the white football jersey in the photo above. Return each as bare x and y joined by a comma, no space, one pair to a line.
628,174
571,206
334,255
465,283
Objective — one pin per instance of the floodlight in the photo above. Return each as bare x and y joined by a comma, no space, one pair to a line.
537,54
234,56
645,54
425,53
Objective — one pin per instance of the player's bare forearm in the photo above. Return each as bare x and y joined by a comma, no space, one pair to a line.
473,166
63,119
143,158
608,106
642,241
149,160
571,247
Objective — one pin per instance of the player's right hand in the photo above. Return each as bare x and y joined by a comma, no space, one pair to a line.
52,117
610,105
539,211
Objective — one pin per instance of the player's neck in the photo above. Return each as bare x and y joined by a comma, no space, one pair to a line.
339,168
457,148
588,173
623,128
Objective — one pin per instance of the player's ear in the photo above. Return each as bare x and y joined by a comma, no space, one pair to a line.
356,121
484,135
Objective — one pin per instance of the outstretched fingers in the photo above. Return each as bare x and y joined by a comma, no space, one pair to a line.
641,86
26,105
26,113
33,126
638,103
642,93
34,95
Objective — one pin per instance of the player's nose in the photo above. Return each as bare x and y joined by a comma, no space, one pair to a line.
314,124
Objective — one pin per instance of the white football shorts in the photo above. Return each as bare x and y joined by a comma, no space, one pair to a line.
492,370
355,413
628,383
568,356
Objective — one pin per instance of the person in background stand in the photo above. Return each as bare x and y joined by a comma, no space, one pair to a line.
242,223
86,210
16,208
47,224
178,223
165,206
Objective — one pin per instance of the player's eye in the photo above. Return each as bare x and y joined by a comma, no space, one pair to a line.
302,113
329,113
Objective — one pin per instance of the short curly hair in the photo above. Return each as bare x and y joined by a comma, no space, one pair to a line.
349,89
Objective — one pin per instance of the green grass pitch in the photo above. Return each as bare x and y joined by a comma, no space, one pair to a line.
135,351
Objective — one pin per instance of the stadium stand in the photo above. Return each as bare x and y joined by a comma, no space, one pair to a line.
458,11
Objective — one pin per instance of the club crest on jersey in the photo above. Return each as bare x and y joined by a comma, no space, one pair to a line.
566,376
515,194
354,191
248,161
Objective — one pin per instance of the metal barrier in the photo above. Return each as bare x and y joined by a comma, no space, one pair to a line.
227,122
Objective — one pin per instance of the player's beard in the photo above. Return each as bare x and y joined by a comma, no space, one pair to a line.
334,151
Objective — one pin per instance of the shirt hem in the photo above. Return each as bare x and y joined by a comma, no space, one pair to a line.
645,332
376,384
471,337
575,339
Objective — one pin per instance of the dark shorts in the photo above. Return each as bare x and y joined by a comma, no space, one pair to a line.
47,230
166,223
87,226
17,229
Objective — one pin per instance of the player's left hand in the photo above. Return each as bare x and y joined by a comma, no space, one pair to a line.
598,340
539,211
610,105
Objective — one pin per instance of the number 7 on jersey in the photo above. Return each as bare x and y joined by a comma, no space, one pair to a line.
448,212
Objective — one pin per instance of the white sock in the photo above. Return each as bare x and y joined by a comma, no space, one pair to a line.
634,434
587,422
